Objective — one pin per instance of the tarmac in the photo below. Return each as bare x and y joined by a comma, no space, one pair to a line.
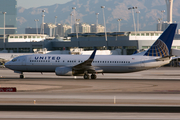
155,87
87,116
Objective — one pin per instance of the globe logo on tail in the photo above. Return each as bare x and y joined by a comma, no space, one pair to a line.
159,48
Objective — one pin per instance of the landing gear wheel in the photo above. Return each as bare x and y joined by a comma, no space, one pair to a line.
21,76
93,76
86,76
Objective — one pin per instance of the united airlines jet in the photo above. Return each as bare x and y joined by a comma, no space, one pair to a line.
83,65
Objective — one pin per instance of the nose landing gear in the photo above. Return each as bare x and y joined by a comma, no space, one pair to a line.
22,76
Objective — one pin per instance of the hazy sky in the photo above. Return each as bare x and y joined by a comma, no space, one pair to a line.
37,3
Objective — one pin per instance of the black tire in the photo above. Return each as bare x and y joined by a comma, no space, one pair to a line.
86,76
21,76
93,76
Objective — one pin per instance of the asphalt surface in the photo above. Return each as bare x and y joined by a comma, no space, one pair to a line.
155,87
87,116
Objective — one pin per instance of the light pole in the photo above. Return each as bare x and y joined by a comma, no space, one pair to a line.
104,23
162,11
119,20
138,20
36,20
4,30
132,8
74,10
42,29
77,30
71,22
55,26
97,22
159,22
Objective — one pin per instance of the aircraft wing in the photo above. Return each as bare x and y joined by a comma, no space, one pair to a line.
87,65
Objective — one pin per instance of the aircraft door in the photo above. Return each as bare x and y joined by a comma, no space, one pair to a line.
23,61
142,63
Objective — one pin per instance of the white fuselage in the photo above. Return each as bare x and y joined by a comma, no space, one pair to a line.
108,63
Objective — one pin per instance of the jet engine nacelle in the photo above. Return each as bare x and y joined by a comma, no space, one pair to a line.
63,71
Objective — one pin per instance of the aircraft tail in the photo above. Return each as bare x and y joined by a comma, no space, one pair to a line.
162,46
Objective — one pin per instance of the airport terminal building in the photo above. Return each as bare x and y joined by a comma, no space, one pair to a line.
127,42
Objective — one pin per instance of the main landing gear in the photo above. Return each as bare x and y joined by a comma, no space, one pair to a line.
93,76
86,76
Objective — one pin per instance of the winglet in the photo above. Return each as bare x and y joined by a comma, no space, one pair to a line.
93,54
87,62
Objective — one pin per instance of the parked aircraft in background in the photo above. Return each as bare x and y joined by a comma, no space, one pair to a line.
83,65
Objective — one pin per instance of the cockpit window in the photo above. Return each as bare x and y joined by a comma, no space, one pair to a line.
14,60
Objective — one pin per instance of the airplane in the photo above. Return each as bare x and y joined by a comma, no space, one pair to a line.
83,65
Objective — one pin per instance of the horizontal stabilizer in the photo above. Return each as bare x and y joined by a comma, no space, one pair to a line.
164,58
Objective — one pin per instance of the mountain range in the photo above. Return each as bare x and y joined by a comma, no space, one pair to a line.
150,11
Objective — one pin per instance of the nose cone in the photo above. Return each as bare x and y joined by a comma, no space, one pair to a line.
7,64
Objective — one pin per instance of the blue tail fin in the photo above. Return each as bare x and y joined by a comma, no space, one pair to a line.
162,46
